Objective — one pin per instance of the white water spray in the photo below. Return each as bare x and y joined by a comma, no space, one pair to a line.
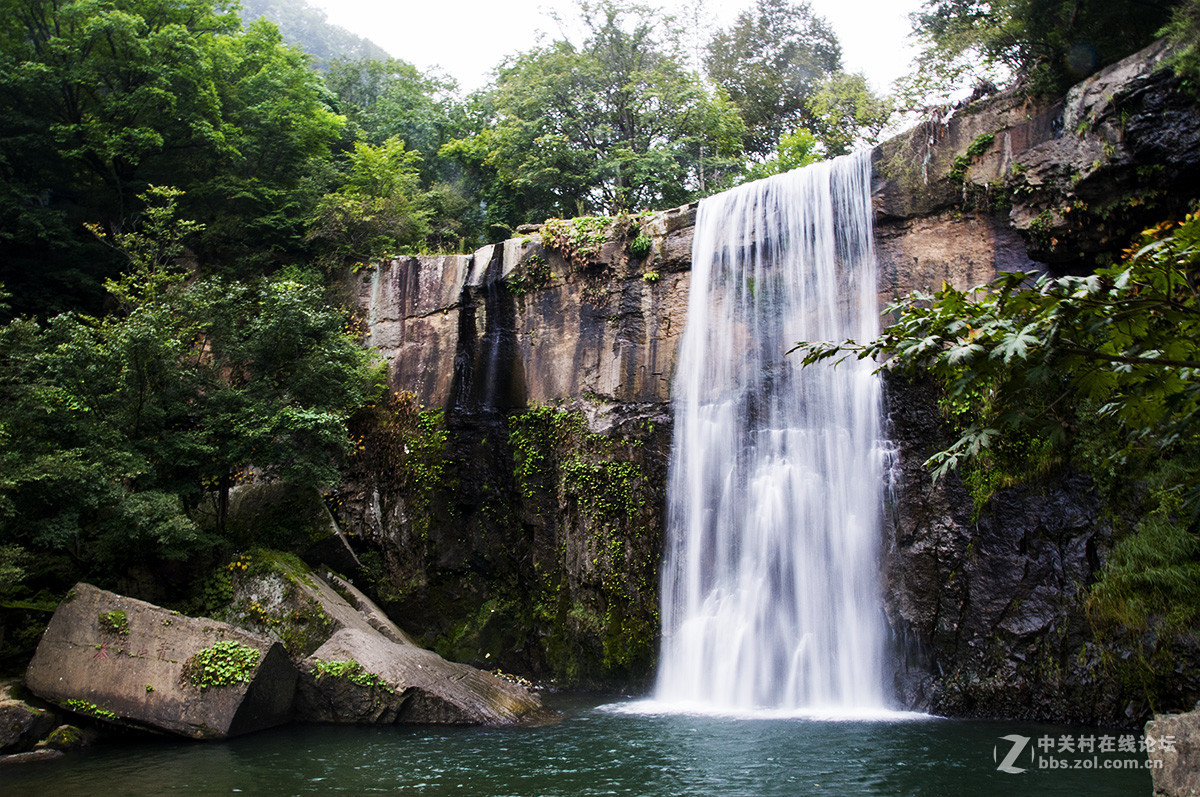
770,593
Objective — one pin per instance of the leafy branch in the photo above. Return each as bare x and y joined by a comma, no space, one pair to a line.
1125,339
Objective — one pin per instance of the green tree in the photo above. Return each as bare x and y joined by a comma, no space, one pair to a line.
96,98
379,210
390,98
278,378
796,149
1044,44
113,430
615,123
101,98
845,112
280,139
114,83
153,249
770,65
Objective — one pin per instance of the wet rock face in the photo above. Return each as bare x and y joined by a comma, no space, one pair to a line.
125,661
1073,179
519,323
539,550
989,611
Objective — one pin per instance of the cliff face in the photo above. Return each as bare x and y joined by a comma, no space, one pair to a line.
552,356
535,546
987,607
518,324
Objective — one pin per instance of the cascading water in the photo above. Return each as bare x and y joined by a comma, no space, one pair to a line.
770,594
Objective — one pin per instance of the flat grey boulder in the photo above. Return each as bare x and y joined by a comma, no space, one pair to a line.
360,676
1179,773
131,663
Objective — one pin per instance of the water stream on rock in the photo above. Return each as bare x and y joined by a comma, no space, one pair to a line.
770,596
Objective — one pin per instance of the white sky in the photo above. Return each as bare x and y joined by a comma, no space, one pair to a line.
468,38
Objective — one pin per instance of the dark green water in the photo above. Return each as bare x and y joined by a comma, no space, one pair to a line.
593,751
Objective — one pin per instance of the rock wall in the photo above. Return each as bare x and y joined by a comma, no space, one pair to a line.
538,547
517,324
988,608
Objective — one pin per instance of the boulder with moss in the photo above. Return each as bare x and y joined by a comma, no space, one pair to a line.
66,738
277,594
362,677
356,665
131,663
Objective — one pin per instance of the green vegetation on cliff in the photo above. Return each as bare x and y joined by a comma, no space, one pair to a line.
527,542
606,624
350,671
225,663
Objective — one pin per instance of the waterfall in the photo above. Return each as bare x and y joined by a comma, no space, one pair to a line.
769,591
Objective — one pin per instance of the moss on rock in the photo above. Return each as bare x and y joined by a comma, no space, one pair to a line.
65,737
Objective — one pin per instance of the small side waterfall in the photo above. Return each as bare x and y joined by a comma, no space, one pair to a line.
770,594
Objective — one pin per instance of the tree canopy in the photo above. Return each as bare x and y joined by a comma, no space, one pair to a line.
99,100
770,65
113,429
1045,44
614,123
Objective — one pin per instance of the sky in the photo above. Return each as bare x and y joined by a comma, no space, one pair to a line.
468,38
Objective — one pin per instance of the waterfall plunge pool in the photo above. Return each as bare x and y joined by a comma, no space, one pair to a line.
601,747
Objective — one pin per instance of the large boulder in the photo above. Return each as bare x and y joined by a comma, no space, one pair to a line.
1175,742
277,594
356,665
360,676
129,662
281,514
